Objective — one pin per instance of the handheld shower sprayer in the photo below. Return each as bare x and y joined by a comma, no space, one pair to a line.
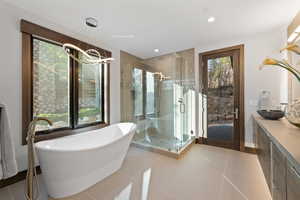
31,176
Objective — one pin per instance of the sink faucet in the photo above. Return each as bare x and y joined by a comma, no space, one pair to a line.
31,172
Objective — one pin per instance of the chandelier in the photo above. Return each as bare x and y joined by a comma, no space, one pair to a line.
90,56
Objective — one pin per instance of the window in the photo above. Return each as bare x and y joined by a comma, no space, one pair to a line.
72,95
144,90
90,93
51,84
150,93
138,92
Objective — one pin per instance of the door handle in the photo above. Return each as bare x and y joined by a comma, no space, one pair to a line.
236,113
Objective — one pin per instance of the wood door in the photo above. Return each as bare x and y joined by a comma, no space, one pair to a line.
222,87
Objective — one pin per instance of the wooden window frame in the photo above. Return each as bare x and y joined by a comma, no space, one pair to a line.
29,32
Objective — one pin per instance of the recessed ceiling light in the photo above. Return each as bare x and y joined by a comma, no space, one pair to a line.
156,50
211,19
91,22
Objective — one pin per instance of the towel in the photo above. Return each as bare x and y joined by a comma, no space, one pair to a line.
8,163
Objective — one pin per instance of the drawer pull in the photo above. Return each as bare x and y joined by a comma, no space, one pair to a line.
295,172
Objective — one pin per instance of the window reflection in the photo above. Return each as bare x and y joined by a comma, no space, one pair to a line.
89,97
50,84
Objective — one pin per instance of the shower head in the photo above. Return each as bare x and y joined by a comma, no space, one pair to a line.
162,77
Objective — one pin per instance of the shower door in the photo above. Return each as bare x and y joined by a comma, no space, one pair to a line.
221,87
183,115
184,101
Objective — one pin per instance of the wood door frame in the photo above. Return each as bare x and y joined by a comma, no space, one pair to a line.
239,76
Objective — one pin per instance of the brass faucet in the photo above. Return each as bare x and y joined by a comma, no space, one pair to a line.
31,172
32,125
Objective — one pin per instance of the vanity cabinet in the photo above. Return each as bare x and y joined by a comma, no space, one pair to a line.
278,174
276,144
293,183
264,154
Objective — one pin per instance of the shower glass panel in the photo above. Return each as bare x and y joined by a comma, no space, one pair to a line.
163,100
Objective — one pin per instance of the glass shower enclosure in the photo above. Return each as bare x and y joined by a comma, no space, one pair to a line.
162,97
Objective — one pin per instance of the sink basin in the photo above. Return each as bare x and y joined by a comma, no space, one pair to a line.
271,114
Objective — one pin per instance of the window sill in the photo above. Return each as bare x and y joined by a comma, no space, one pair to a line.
62,133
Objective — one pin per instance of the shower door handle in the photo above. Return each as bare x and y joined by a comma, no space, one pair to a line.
182,107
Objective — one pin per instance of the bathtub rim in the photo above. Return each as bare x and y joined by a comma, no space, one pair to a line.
39,146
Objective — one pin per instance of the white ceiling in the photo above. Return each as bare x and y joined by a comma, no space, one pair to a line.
169,25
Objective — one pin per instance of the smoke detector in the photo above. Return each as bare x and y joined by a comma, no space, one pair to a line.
91,22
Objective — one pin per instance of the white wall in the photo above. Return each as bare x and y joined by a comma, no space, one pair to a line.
258,47
10,74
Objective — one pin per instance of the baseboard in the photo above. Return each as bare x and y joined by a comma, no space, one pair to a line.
251,150
245,149
199,140
18,177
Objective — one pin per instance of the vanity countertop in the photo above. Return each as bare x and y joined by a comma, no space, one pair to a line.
284,135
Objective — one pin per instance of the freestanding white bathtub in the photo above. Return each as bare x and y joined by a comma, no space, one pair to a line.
71,164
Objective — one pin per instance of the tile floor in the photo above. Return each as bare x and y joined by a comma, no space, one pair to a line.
204,172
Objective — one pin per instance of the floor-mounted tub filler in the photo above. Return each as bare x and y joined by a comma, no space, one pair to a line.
72,164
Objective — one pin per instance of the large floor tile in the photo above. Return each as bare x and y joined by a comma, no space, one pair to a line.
5,194
204,172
